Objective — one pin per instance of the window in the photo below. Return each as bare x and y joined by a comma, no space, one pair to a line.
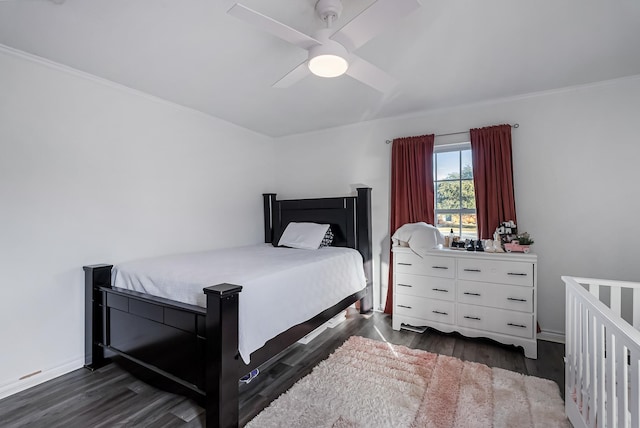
455,196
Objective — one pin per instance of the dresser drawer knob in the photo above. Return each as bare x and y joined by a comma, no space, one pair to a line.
404,264
440,313
472,270
516,325
472,318
513,299
439,267
405,285
516,274
404,306
468,293
442,290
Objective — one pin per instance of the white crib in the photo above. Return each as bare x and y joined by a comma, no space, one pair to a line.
602,361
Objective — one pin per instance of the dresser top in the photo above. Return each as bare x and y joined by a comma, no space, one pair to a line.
520,257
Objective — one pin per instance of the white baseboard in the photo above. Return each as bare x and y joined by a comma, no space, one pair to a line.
45,375
551,336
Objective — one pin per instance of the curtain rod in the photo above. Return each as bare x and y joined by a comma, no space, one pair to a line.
516,125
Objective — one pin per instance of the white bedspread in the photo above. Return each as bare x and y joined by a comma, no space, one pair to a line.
282,287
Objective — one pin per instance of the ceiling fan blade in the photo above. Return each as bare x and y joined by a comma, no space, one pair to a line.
370,75
272,26
294,76
372,21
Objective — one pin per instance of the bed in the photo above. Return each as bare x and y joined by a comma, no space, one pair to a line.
196,348
602,361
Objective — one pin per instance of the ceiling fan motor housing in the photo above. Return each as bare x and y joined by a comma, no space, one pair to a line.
329,9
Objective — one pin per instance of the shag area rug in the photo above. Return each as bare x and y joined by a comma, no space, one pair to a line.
367,383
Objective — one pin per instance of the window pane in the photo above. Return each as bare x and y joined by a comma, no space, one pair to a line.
469,226
448,195
448,165
468,195
467,165
446,222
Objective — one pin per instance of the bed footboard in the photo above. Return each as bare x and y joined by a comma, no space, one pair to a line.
221,363
602,361
95,276
193,347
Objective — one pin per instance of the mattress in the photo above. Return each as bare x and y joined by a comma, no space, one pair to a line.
282,287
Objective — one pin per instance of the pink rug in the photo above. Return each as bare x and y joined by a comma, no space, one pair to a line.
367,383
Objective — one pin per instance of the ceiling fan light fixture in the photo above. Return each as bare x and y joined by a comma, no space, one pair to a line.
328,59
328,65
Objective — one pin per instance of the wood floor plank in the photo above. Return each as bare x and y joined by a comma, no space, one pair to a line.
186,411
111,397
167,420
154,410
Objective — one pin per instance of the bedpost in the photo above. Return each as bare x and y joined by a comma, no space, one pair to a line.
95,276
269,200
364,244
221,365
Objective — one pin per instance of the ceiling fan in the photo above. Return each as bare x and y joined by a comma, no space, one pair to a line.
331,50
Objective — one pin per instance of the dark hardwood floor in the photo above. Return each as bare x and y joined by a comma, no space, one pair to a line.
111,397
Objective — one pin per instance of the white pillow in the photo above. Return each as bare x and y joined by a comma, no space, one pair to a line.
307,236
420,237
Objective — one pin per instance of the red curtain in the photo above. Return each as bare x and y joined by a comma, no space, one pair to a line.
412,195
492,177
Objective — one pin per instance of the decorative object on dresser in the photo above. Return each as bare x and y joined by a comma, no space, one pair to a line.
506,232
491,295
519,245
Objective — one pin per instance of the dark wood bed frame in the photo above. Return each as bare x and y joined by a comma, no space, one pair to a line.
196,348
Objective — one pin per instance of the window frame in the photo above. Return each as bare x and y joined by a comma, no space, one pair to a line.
445,148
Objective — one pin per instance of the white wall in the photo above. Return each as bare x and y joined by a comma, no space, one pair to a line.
89,173
576,160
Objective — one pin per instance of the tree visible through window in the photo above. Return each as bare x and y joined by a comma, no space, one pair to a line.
455,196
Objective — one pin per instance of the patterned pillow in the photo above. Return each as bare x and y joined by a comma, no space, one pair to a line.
328,238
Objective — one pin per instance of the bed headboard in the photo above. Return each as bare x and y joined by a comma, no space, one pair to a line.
349,217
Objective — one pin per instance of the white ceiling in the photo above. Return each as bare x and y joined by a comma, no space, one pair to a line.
448,53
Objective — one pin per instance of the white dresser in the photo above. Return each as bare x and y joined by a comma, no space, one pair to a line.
490,295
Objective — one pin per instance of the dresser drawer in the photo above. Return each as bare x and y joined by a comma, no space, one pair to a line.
443,267
425,286
496,271
426,309
495,320
512,297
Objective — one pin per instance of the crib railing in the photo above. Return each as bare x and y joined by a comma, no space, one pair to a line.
602,361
